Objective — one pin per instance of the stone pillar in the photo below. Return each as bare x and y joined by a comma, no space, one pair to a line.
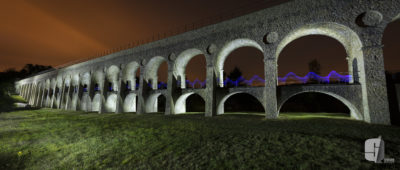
22,91
374,92
142,93
69,97
103,93
32,96
183,81
119,102
79,92
211,87
53,96
171,91
28,93
270,76
221,78
60,104
38,96
42,96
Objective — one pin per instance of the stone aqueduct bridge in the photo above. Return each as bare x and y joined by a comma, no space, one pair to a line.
357,24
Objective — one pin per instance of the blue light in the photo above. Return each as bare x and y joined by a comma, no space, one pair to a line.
333,75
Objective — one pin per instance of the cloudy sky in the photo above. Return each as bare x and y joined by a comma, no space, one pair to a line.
49,32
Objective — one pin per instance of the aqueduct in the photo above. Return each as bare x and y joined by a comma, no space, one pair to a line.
112,83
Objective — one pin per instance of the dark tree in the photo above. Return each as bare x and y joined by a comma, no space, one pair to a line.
234,75
314,66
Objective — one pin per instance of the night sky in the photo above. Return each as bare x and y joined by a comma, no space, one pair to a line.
49,32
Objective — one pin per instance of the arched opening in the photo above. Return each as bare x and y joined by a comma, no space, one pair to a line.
245,66
391,51
190,102
112,78
190,69
313,59
240,103
111,103
130,102
155,103
317,104
156,75
96,102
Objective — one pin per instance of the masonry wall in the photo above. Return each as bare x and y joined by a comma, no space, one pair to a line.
358,25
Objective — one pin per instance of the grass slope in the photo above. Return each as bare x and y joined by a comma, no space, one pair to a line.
53,139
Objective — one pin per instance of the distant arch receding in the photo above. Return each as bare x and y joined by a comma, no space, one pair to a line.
86,79
112,76
221,105
96,102
181,62
152,103
75,80
347,37
48,85
227,49
86,103
152,68
59,81
67,81
354,112
180,105
111,103
98,78
129,73
130,103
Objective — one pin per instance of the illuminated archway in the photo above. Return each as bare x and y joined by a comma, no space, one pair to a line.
350,41
226,50
181,63
130,75
153,103
130,102
221,105
181,103
354,112
152,70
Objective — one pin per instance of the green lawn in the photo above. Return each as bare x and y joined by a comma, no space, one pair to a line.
53,139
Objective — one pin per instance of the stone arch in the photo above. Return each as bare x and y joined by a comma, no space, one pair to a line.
111,103
181,62
98,78
129,73
86,103
96,102
221,104
180,105
112,76
74,79
346,36
130,103
86,79
350,41
227,49
354,112
46,101
151,103
151,70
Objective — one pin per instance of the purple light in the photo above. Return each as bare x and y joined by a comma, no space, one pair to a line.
333,75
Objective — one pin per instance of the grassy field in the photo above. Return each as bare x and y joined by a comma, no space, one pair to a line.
53,139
